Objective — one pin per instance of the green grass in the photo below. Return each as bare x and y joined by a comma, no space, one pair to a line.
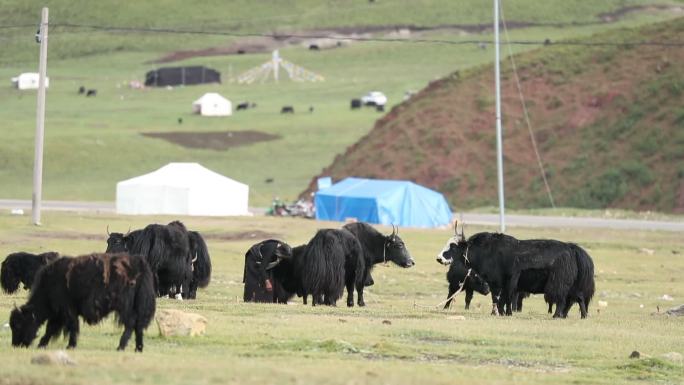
259,343
92,143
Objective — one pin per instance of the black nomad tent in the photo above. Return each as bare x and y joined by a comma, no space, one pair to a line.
175,76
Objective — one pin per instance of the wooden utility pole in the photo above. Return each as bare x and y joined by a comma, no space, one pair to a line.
40,119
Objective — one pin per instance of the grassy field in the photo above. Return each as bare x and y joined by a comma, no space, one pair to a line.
276,344
93,143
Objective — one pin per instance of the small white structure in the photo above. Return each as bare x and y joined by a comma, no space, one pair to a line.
182,189
28,81
212,104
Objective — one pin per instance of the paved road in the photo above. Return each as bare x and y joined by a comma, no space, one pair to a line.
470,218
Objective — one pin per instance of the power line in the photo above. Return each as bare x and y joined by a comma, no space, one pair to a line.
546,42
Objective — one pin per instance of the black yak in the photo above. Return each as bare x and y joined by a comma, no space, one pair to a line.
378,248
501,260
260,261
460,279
22,267
332,260
90,286
179,258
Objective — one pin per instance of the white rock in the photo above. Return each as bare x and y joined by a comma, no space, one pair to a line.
173,322
457,317
667,297
674,357
17,212
647,251
58,357
603,303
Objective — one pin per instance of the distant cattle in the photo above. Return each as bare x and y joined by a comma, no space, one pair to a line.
355,104
245,106
91,93
22,268
287,110
90,286
314,47
81,90
380,108
564,272
377,248
179,258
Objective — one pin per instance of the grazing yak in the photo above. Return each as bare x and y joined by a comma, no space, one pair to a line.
378,248
90,286
260,261
332,260
22,267
179,258
460,279
564,270
329,262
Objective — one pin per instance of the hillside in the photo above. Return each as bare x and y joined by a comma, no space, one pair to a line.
609,123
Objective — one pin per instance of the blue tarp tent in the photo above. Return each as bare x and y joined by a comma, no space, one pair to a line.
386,202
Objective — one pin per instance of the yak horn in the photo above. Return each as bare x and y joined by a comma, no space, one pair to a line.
456,227
194,259
463,230
128,232
394,230
273,264
108,231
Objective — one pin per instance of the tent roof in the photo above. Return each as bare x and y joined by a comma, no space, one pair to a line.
210,97
183,175
383,201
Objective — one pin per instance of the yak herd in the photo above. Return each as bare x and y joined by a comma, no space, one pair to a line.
170,260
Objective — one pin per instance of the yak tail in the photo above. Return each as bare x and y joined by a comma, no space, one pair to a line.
585,273
202,265
9,279
145,294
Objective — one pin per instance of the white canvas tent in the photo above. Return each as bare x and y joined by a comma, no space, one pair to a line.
212,104
182,189
28,81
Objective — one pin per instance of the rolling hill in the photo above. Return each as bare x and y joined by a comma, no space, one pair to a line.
608,120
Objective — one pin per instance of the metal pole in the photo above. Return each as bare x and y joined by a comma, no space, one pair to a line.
499,143
40,120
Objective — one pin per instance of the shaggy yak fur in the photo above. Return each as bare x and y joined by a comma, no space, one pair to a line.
564,272
329,262
260,261
378,248
179,258
90,286
22,267
458,277
286,281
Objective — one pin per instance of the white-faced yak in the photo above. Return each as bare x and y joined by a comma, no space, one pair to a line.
179,258
90,286
563,270
22,267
